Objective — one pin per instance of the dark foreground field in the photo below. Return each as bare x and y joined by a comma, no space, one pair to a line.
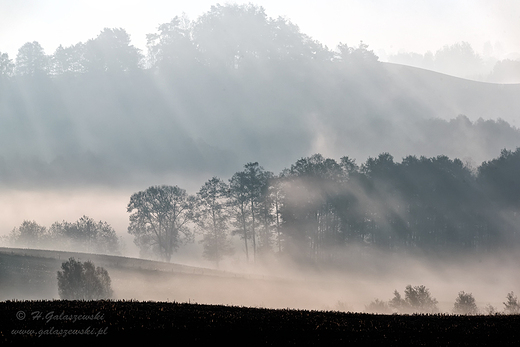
36,322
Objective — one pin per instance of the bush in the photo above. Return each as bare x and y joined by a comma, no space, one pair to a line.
83,281
378,306
465,304
490,310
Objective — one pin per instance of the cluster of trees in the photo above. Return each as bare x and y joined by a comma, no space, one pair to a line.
110,51
315,208
85,235
418,299
83,281
182,43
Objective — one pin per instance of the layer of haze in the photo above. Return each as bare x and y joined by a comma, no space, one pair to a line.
387,26
363,278
420,101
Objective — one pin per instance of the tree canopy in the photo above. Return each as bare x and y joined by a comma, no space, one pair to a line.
159,219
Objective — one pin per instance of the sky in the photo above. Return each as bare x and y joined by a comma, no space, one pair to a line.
387,26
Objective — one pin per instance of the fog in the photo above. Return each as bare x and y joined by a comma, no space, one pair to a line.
362,280
428,198
351,288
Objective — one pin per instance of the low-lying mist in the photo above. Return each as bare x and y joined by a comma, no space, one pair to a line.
356,277
365,276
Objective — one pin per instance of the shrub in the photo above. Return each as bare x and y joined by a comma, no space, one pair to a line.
377,306
490,310
83,281
343,306
465,304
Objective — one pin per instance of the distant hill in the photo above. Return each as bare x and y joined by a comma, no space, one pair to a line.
445,96
140,127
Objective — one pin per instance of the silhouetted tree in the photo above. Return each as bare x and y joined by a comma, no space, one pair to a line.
312,187
69,60
458,59
267,212
111,51
277,198
31,60
511,306
160,218
416,299
499,178
255,182
398,303
28,234
83,281
172,48
213,219
419,298
239,206
247,23
6,65
87,235
246,188
465,304
377,306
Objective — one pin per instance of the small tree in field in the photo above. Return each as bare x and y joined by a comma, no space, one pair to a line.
83,281
419,298
465,304
398,303
512,306
416,299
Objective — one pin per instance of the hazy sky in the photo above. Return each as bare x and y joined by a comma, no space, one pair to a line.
389,25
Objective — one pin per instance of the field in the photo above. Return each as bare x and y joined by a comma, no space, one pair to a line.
34,322
156,300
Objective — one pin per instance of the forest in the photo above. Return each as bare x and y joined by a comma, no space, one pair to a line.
229,87
316,208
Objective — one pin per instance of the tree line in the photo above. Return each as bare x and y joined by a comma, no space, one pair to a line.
316,207
418,299
84,235
181,43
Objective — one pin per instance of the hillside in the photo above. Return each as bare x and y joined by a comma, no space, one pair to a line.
203,103
443,96
31,273
131,129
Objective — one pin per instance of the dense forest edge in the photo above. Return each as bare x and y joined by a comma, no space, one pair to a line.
316,211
